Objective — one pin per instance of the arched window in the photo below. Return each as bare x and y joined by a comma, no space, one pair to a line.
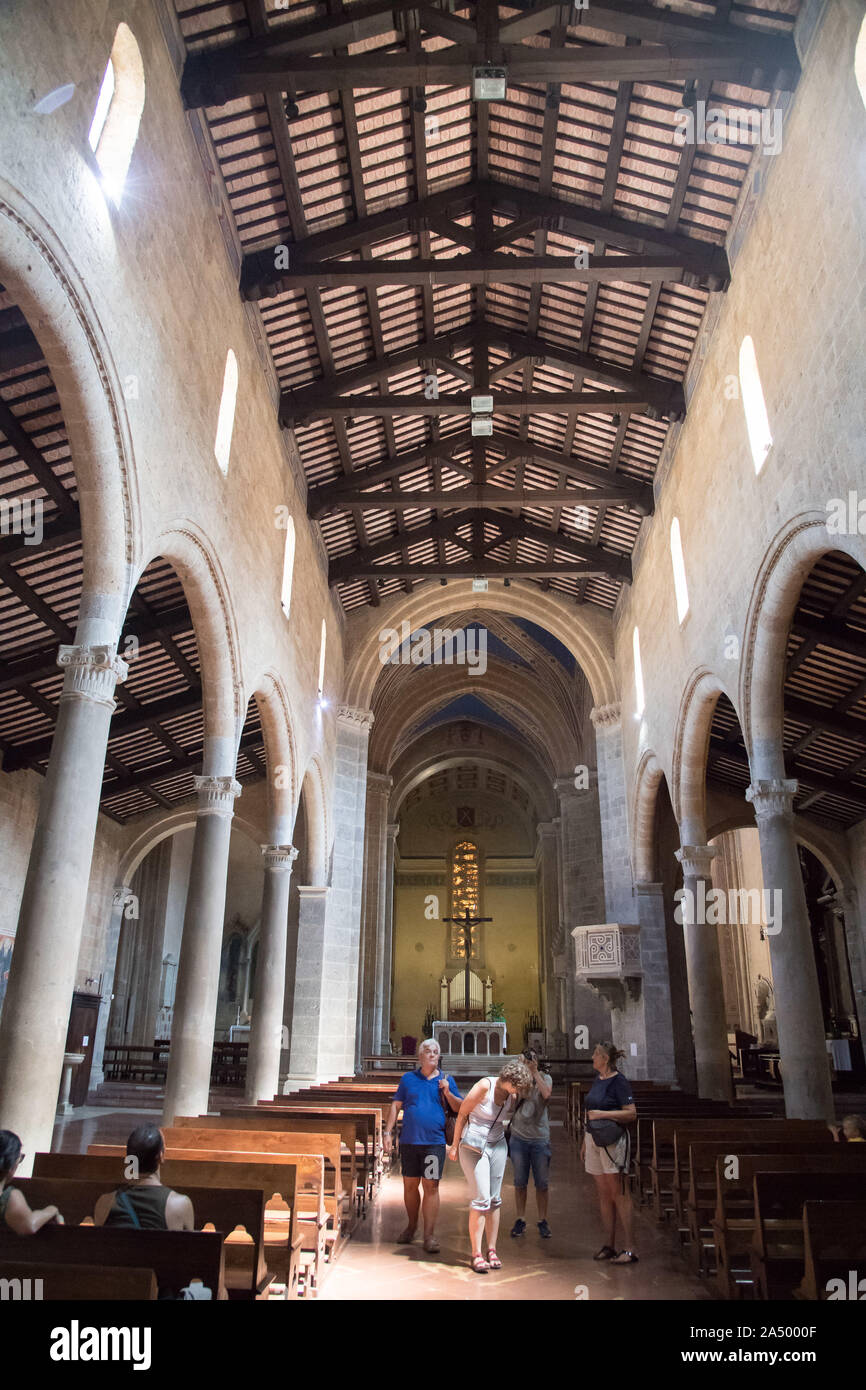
114,128
226,421
464,893
681,588
639,697
288,567
757,421
322,649
860,61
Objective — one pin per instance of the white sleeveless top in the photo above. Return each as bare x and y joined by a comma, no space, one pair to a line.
487,1121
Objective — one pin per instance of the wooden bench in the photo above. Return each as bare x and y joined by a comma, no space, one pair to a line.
778,1247
733,1224
652,1108
175,1257
377,1112
834,1247
776,1131
78,1283
238,1213
276,1182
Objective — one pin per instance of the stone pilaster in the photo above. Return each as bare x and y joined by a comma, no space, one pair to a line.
549,936
387,957
373,914
192,1033
120,901
266,1028
704,966
42,979
657,1013
619,903
310,971
799,1016
582,901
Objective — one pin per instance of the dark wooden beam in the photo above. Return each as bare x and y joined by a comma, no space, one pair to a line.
40,665
472,496
191,763
604,561
481,569
31,456
57,532
494,268
510,403
321,500
147,717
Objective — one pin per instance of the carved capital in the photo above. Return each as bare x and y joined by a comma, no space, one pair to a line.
606,716
379,784
393,829
120,895
91,673
280,858
361,720
216,795
696,860
773,797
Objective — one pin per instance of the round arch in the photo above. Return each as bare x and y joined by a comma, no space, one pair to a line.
148,839
316,823
587,635
691,747
280,754
35,267
796,548
649,775
433,763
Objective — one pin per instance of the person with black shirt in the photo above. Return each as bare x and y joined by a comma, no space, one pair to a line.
609,1099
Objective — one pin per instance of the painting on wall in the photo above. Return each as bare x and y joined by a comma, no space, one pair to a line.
6,944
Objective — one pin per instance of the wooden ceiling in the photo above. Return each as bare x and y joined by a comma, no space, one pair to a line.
554,249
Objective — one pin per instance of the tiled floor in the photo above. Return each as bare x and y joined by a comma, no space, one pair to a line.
372,1267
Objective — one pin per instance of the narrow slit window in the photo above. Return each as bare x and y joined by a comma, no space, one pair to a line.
757,420
226,419
639,697
288,568
322,651
681,588
117,117
860,62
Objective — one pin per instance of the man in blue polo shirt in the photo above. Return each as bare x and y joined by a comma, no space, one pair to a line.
423,1094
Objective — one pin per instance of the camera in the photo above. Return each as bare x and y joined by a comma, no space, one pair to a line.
529,1055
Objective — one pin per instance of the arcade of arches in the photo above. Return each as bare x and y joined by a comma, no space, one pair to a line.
299,664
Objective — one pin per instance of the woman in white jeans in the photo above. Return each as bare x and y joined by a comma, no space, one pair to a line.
483,1152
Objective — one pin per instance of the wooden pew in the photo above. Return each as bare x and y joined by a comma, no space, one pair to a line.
176,1257
276,1182
778,1249
665,1130
675,1106
353,1135
268,1141
733,1224
376,1113
82,1283
834,1246
701,1184
225,1209
812,1131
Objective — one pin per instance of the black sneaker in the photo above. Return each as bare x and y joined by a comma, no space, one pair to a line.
518,1228
544,1230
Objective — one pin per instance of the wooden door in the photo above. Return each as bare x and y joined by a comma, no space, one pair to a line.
81,1037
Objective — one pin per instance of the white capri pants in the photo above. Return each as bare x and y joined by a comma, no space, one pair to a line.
484,1173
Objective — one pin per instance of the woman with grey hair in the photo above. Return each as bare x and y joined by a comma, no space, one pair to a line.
483,1151
427,1097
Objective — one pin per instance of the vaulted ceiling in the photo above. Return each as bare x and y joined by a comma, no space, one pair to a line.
409,247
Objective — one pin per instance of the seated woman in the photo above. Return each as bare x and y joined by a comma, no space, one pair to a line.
143,1202
14,1211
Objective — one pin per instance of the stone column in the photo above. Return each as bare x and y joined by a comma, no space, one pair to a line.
387,957
192,1034
373,915
618,897
548,920
35,1016
800,1020
266,1028
658,1014
704,966
120,905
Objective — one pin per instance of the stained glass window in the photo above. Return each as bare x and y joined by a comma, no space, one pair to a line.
464,894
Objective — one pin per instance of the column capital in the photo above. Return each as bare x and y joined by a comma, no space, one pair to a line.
393,829
606,716
119,894
280,858
379,783
696,859
91,672
359,719
772,797
546,830
216,795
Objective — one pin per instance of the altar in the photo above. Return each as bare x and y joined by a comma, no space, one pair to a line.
464,1042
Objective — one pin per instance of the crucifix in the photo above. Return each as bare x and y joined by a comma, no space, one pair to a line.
466,922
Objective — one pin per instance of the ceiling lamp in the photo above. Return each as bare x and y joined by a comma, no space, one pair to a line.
488,84
479,586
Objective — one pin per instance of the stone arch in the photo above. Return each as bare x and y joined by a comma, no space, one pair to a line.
139,848
691,747
588,636
795,549
280,752
187,548
36,268
316,823
649,775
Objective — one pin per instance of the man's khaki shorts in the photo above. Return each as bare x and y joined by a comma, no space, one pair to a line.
599,1160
